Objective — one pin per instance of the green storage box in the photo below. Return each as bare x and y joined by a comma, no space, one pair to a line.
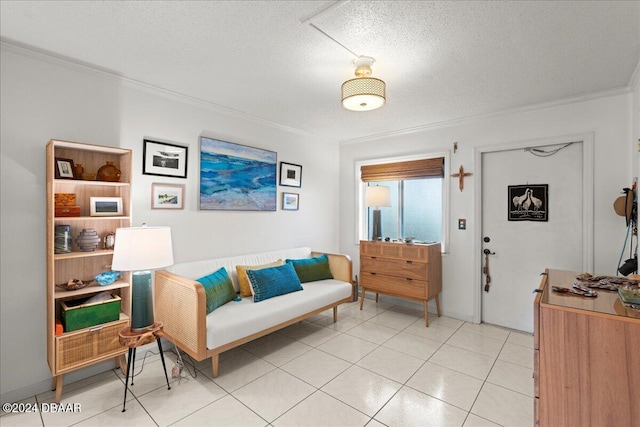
77,315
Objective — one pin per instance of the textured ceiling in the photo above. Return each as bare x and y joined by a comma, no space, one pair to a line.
441,61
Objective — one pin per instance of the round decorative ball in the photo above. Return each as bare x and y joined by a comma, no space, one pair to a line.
88,240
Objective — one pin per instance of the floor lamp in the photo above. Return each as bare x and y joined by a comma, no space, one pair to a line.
139,250
376,197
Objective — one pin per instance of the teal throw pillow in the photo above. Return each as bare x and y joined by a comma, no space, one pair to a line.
312,269
270,282
218,288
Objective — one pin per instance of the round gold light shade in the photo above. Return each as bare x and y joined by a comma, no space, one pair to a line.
363,94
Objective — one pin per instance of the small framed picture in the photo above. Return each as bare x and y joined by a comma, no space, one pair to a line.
290,201
167,196
163,159
65,169
105,206
290,175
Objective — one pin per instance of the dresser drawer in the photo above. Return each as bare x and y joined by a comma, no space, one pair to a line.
395,250
77,348
394,267
393,285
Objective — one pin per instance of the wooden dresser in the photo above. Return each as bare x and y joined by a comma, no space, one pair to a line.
400,270
586,357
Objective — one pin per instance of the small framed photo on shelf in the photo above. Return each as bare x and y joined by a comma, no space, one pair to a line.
163,159
290,201
167,196
105,206
290,175
65,169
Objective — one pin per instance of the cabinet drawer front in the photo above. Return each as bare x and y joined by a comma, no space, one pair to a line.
395,250
76,349
394,267
393,285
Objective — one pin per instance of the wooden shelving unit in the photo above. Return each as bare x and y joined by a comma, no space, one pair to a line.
69,351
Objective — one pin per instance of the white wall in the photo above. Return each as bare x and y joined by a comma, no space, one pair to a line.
608,118
44,98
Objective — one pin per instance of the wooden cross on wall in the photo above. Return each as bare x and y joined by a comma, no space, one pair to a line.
461,174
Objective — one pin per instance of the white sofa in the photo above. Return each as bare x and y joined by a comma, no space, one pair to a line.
180,303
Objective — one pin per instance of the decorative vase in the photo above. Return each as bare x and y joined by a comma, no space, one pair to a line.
79,171
62,239
109,240
88,240
109,172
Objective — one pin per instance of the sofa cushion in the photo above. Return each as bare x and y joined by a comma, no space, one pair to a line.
243,279
312,269
218,288
273,281
233,322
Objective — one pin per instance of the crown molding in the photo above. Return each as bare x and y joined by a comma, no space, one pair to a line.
499,114
33,53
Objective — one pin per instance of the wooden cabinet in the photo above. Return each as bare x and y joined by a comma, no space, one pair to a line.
586,353
68,351
400,270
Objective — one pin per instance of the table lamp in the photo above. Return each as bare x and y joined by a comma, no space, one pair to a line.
376,197
139,250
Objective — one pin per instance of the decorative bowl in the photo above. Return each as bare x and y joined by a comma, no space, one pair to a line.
108,277
75,284
629,295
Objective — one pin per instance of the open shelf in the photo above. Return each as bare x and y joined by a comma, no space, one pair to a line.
88,290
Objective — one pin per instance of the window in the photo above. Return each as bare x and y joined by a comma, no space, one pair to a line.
418,198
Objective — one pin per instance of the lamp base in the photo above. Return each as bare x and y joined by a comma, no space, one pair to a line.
141,301
376,229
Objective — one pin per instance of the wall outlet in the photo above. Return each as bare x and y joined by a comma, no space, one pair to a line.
462,224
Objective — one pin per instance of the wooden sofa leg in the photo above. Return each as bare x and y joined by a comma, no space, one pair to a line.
215,359
335,314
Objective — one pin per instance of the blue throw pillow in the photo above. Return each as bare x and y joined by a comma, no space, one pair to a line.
271,282
312,269
218,288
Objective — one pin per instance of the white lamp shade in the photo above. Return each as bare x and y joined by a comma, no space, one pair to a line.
378,196
142,248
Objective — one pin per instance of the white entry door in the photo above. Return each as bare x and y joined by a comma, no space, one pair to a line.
521,248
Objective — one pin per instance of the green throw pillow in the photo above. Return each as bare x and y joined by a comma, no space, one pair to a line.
273,281
218,288
312,269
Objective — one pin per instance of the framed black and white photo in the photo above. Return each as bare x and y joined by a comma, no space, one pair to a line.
163,159
528,202
105,206
290,175
290,201
167,196
65,169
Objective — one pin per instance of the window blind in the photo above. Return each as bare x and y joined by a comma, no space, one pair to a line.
412,169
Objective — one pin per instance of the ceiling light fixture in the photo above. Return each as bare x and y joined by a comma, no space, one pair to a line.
364,93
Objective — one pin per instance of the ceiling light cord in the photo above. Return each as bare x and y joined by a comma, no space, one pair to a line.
543,153
312,25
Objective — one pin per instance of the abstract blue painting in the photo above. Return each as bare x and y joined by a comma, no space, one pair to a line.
236,177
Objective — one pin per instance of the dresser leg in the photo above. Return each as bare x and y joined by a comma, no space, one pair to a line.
362,299
438,304
377,295
426,313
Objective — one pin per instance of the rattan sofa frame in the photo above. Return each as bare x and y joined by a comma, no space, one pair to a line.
181,305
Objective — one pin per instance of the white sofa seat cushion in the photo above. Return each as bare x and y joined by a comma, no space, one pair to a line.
236,320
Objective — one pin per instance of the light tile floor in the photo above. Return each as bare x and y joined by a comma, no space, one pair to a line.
376,367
